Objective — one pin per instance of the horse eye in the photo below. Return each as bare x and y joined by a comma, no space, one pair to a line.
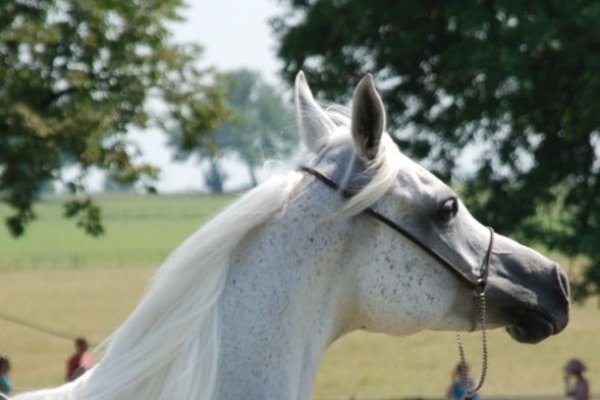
448,209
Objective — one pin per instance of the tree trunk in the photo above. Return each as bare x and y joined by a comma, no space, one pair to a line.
214,178
252,172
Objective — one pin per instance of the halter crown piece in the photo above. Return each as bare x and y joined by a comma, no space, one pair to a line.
476,283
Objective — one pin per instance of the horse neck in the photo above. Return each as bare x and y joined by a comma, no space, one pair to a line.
284,301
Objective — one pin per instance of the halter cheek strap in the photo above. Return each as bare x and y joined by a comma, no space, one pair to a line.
477,283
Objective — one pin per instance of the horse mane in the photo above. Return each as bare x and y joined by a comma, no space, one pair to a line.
168,347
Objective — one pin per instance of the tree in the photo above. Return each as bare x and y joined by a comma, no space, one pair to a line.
519,78
260,126
75,75
109,185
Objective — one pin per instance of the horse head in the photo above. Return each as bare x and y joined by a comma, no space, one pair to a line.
400,286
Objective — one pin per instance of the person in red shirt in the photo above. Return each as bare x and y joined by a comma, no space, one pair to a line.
80,361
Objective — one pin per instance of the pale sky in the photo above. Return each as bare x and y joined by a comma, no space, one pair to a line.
234,34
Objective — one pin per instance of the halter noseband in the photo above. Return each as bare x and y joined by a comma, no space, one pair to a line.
477,283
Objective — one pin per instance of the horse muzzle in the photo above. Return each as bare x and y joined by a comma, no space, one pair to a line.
549,317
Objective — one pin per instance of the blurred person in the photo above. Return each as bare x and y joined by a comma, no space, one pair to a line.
457,390
80,361
576,386
5,385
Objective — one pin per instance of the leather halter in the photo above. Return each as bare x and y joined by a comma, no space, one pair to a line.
475,282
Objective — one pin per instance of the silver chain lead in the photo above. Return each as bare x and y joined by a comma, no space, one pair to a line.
484,352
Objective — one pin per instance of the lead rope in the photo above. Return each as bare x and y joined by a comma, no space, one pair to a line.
484,351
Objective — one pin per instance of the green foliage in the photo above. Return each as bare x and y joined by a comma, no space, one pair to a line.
109,185
259,127
75,75
519,78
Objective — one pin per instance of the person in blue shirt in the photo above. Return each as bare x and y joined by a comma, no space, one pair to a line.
576,386
5,385
457,390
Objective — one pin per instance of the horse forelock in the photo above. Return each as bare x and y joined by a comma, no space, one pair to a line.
382,171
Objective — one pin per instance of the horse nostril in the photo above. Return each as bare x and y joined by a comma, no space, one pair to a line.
563,281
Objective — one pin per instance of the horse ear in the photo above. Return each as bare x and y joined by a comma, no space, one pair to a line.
368,118
313,123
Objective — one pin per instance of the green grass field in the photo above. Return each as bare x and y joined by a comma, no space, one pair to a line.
91,294
140,231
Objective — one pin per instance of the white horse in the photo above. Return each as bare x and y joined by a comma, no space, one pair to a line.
245,307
